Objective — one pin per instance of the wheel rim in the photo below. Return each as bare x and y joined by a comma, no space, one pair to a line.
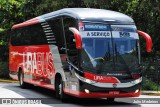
60,89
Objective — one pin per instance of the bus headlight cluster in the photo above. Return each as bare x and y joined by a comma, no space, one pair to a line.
136,81
89,81
136,91
87,91
84,79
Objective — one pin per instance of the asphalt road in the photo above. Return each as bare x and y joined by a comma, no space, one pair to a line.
12,90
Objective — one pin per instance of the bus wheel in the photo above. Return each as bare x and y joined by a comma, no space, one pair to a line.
110,100
21,80
59,90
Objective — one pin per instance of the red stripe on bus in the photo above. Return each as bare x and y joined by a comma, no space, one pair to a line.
29,22
100,78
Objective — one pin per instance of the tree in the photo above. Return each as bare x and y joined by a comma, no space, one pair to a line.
146,14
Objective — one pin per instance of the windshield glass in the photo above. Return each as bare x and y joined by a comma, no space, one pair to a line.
115,54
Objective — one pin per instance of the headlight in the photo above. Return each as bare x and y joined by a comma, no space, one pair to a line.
86,91
85,79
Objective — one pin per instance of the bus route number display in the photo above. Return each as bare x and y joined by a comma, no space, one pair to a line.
95,30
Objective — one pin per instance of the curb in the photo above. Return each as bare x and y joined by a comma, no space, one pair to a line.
151,93
8,81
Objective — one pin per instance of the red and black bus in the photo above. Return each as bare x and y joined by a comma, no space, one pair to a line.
83,52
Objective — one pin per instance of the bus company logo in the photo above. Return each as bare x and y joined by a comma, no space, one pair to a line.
101,78
114,85
98,78
40,63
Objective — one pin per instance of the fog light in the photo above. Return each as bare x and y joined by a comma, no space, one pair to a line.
137,91
87,91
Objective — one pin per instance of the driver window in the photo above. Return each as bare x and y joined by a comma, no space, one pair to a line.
72,52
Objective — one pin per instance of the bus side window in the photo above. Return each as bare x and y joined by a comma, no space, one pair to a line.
72,52
14,37
56,27
37,35
26,37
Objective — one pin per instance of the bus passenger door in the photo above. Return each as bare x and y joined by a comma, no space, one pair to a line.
72,53
72,59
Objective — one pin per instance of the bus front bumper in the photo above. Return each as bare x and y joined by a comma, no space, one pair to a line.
111,94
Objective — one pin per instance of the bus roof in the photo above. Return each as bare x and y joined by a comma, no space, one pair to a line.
85,14
90,13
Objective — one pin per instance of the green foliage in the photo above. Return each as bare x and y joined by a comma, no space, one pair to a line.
2,42
146,14
2,30
149,85
4,70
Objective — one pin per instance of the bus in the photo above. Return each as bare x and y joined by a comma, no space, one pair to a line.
81,52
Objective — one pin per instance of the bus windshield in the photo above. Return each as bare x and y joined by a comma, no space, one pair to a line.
112,55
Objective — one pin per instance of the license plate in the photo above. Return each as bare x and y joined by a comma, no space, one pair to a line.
113,92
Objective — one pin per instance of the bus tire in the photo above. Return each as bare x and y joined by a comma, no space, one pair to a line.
21,80
110,100
59,90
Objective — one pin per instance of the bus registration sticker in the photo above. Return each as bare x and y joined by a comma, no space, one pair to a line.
73,87
114,92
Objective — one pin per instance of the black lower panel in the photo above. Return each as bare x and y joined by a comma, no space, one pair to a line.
99,89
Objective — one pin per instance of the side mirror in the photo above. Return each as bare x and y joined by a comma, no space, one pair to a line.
148,40
77,37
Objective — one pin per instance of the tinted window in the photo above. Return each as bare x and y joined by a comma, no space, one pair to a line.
16,37
56,27
36,34
28,35
70,40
